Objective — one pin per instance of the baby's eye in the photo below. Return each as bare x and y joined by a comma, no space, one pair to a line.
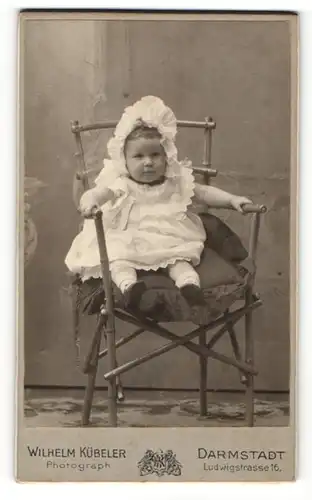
138,155
155,155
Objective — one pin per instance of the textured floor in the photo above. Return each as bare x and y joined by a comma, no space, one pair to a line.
60,411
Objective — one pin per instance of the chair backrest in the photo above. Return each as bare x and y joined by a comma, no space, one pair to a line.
82,174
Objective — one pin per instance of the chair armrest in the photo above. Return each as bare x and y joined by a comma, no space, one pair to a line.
250,208
210,172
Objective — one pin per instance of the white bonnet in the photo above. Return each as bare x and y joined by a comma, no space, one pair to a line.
154,113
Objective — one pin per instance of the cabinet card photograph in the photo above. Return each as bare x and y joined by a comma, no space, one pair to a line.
157,166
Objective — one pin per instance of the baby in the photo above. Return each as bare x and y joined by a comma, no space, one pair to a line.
146,195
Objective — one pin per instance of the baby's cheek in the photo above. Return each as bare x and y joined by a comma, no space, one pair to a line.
162,165
139,170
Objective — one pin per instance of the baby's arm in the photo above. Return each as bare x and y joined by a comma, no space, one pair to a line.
216,198
93,199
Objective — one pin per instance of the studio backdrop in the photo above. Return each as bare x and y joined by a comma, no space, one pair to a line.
236,72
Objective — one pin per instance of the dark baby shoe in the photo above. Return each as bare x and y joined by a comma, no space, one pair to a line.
193,295
195,298
133,295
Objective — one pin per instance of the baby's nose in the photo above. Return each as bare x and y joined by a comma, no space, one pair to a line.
148,161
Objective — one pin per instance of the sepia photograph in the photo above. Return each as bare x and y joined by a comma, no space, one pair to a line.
158,172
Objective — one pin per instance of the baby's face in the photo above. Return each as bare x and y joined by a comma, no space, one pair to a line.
145,159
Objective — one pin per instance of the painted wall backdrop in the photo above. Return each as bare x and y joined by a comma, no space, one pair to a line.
236,72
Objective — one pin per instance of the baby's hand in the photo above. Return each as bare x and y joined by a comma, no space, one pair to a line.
238,203
88,204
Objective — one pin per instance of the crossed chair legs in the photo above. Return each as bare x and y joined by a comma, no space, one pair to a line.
203,349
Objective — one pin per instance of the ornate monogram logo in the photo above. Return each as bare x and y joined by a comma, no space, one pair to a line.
160,463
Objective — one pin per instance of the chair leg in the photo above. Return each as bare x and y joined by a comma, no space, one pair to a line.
236,349
111,390
249,358
92,371
119,388
203,378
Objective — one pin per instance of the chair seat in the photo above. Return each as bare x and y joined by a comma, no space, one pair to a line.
222,282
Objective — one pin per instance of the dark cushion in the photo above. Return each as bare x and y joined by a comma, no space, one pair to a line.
222,239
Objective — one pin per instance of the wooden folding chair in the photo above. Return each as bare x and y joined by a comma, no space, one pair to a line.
108,310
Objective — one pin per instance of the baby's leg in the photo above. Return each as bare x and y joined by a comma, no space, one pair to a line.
183,273
123,275
125,278
187,280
